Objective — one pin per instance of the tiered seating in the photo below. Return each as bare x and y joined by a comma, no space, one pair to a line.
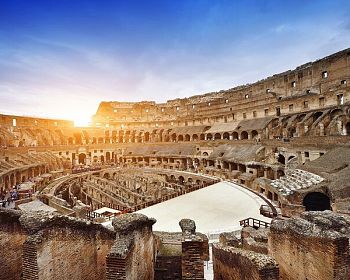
294,180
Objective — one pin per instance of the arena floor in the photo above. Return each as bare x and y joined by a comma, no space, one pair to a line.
216,208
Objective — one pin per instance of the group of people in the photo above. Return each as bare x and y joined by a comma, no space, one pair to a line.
14,194
9,196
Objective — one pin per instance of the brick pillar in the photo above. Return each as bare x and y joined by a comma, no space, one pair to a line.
30,264
192,264
116,267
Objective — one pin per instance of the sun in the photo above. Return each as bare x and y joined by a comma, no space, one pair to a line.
81,120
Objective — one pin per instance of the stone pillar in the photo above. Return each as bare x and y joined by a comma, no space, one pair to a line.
131,257
192,251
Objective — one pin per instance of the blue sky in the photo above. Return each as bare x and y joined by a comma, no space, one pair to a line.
61,58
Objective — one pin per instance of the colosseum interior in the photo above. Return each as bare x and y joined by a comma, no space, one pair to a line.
73,199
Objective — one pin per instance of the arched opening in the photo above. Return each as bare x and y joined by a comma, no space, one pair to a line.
78,139
335,113
235,136
244,135
180,138
226,136
173,137
102,158
290,158
202,136
209,136
347,128
100,140
82,158
316,201
108,156
187,137
181,180
316,116
146,137
281,159
217,136
194,137
70,141
254,134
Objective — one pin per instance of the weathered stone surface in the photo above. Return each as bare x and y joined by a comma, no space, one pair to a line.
314,246
235,263
188,226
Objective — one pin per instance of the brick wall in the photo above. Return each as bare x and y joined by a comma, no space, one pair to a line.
132,254
168,267
309,257
66,254
233,263
192,263
12,237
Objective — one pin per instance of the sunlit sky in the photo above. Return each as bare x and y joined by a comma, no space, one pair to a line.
61,58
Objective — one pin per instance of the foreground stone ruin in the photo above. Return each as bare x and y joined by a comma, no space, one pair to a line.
68,195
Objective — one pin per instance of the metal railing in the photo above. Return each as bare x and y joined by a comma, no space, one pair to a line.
255,223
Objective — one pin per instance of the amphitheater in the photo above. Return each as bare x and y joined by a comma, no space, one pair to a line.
247,183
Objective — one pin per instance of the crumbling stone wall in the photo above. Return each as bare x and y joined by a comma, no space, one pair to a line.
132,255
314,246
43,245
65,253
234,263
12,237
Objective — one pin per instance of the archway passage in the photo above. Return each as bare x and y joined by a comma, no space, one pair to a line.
316,201
347,127
281,159
82,158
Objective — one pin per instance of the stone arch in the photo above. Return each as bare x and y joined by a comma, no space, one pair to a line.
202,136
187,137
180,138
209,136
102,159
336,112
281,159
316,201
100,140
146,137
217,136
70,141
234,135
194,137
300,117
78,138
255,134
316,115
244,135
181,180
108,156
173,137
226,136
290,158
347,128
82,158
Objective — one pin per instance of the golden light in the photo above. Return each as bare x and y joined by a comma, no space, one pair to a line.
81,119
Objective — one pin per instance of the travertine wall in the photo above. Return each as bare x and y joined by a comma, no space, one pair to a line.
313,247
236,264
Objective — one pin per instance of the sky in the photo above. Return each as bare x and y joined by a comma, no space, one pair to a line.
60,59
